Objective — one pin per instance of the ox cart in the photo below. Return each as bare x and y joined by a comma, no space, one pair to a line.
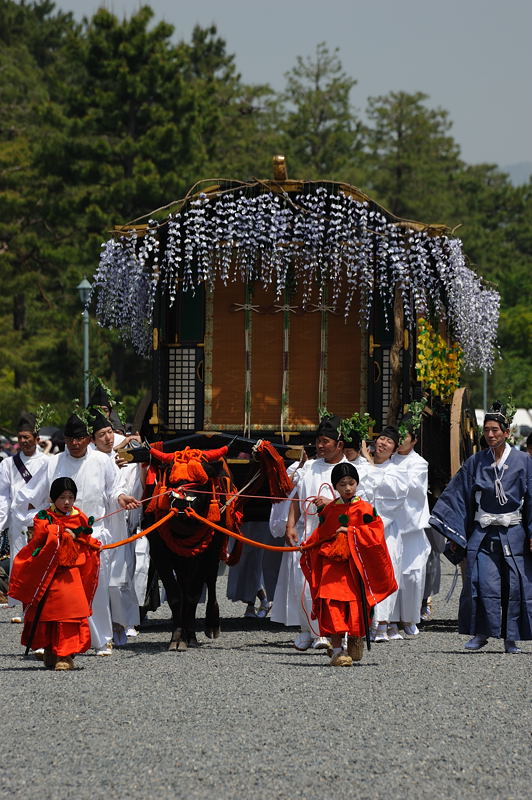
260,302
257,304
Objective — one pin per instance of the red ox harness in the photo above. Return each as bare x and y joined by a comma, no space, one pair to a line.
184,471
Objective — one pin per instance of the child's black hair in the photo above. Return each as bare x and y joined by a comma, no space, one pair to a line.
344,470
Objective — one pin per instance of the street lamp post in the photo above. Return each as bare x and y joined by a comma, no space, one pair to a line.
85,289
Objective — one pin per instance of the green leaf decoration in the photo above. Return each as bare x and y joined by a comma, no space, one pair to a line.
356,423
113,402
415,410
45,413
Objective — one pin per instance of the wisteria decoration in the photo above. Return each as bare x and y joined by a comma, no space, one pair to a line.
311,238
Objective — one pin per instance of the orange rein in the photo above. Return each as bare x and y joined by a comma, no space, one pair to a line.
136,536
191,513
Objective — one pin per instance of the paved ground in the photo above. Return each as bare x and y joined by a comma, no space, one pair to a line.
247,716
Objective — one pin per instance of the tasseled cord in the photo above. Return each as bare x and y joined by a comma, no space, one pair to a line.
500,494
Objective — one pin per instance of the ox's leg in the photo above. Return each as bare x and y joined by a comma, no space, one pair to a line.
165,563
212,610
192,593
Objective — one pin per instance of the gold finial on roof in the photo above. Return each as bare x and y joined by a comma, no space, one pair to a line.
280,172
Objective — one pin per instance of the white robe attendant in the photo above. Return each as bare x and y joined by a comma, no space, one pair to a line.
139,550
11,484
98,488
386,487
124,605
412,518
292,603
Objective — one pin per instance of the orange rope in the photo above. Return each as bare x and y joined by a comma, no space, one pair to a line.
119,510
139,535
191,513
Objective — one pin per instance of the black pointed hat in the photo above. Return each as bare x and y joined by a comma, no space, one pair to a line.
330,426
27,422
100,397
116,423
497,413
391,432
99,421
75,427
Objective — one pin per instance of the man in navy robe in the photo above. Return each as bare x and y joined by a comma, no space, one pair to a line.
487,510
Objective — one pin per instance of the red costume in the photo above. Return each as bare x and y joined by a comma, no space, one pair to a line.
336,566
63,571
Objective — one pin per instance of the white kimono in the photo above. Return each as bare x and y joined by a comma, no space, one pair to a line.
386,487
139,550
98,488
412,519
124,605
292,603
11,484
359,461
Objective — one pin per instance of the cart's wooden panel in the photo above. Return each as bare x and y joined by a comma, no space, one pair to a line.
227,357
266,360
344,365
304,367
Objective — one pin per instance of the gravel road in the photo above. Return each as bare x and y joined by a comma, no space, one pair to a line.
246,716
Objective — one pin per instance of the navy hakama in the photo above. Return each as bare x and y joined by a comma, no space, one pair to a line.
495,531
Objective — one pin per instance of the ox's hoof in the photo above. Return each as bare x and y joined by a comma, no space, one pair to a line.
192,640
176,641
182,646
212,633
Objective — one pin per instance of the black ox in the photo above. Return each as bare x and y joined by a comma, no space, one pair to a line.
186,552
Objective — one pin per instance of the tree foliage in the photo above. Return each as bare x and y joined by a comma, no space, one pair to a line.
320,132
102,121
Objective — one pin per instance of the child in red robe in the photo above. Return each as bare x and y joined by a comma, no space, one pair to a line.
55,575
348,567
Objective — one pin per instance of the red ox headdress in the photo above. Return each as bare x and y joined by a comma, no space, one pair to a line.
187,464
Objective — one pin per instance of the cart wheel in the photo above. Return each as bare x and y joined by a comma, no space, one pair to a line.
464,440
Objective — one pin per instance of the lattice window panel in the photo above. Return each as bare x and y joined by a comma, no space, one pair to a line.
387,381
181,388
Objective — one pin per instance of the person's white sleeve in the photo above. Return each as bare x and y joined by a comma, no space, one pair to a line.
5,494
114,483
389,485
35,494
418,475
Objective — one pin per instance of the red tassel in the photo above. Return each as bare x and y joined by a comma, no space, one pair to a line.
279,484
337,549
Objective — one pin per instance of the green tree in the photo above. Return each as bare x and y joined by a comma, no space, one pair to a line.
320,132
497,235
117,119
32,36
412,161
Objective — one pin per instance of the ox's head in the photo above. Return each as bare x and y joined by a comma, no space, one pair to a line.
190,476
194,494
